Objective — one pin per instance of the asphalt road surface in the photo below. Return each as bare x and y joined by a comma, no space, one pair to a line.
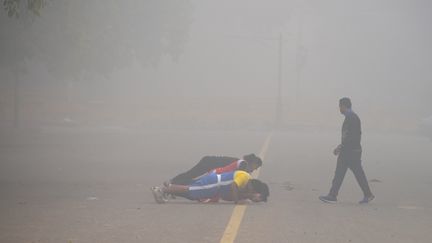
92,185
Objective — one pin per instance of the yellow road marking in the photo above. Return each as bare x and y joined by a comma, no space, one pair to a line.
233,225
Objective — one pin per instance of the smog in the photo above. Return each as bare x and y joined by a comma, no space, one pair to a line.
115,115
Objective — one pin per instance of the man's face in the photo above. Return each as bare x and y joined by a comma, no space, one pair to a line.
255,197
251,194
253,166
342,109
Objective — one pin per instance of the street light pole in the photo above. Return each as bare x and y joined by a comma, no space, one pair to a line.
16,99
278,116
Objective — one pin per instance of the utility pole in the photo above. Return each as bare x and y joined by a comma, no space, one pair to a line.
16,99
301,56
278,116
16,70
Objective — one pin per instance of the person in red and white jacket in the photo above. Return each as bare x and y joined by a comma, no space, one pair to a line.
218,164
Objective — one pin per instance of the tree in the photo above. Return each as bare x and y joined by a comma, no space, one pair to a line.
14,51
15,7
93,37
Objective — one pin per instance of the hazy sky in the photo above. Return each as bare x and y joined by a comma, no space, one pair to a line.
374,51
377,52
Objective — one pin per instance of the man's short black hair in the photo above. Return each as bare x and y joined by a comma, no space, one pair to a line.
252,158
261,188
345,101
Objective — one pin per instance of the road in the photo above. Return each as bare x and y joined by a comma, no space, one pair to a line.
92,185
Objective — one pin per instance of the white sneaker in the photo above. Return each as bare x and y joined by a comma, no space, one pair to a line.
158,195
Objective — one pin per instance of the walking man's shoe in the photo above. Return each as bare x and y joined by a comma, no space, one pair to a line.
328,199
367,199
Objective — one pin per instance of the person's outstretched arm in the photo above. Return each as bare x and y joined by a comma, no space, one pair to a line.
235,192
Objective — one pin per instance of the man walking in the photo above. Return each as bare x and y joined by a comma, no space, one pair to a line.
349,155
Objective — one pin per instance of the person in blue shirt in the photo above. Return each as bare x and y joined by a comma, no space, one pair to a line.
230,186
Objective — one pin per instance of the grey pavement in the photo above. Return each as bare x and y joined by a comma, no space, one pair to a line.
83,186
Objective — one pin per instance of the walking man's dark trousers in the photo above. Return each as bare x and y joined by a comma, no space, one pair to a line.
351,160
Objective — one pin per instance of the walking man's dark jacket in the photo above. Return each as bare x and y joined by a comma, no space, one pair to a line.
351,133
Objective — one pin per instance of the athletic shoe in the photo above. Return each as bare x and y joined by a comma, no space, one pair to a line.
328,199
168,195
164,195
367,199
158,195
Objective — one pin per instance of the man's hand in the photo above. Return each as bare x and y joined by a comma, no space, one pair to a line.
337,150
235,193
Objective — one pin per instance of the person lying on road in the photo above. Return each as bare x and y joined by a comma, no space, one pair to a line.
235,186
219,164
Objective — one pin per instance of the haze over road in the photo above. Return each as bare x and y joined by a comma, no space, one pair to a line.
101,100
93,186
